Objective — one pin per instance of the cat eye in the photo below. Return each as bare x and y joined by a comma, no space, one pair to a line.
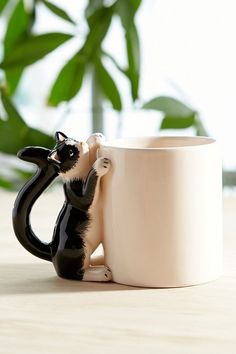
71,153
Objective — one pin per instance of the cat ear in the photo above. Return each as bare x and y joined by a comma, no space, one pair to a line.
53,157
59,136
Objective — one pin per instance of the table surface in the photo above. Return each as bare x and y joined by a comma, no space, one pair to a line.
40,312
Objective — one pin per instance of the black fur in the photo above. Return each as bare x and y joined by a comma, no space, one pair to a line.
26,198
67,248
67,154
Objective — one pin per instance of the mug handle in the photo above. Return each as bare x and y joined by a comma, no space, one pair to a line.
27,197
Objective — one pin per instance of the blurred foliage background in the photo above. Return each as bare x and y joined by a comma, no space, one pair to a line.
22,47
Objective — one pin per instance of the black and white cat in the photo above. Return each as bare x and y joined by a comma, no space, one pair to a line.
77,232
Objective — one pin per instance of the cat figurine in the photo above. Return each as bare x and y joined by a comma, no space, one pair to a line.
75,237
78,229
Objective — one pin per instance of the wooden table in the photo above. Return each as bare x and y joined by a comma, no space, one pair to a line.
40,313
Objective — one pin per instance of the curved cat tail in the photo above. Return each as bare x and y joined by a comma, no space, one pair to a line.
26,198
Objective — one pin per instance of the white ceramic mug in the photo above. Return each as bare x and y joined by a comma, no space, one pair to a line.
163,211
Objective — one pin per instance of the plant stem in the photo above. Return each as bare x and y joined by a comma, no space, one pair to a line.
229,178
119,125
97,109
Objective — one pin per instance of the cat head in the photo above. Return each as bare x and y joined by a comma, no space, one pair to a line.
68,155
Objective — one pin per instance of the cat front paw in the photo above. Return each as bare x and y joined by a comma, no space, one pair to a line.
102,166
96,138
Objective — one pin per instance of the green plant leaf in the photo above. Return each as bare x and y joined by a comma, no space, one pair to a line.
169,105
108,85
13,77
135,4
176,114
17,27
5,183
17,30
126,11
177,122
69,81
58,11
99,23
12,114
113,60
92,7
2,5
16,134
33,48
133,52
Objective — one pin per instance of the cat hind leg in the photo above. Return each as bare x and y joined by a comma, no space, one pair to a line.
97,273
92,270
97,260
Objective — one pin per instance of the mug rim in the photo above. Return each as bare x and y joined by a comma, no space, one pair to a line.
203,141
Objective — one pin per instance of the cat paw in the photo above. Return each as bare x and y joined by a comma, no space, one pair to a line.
96,138
102,166
107,274
98,273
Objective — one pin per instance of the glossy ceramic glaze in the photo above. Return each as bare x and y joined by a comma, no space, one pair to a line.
74,239
163,211
26,198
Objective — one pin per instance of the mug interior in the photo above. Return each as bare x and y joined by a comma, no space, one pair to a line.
163,142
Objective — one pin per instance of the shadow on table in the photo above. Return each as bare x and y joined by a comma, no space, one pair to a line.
39,278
